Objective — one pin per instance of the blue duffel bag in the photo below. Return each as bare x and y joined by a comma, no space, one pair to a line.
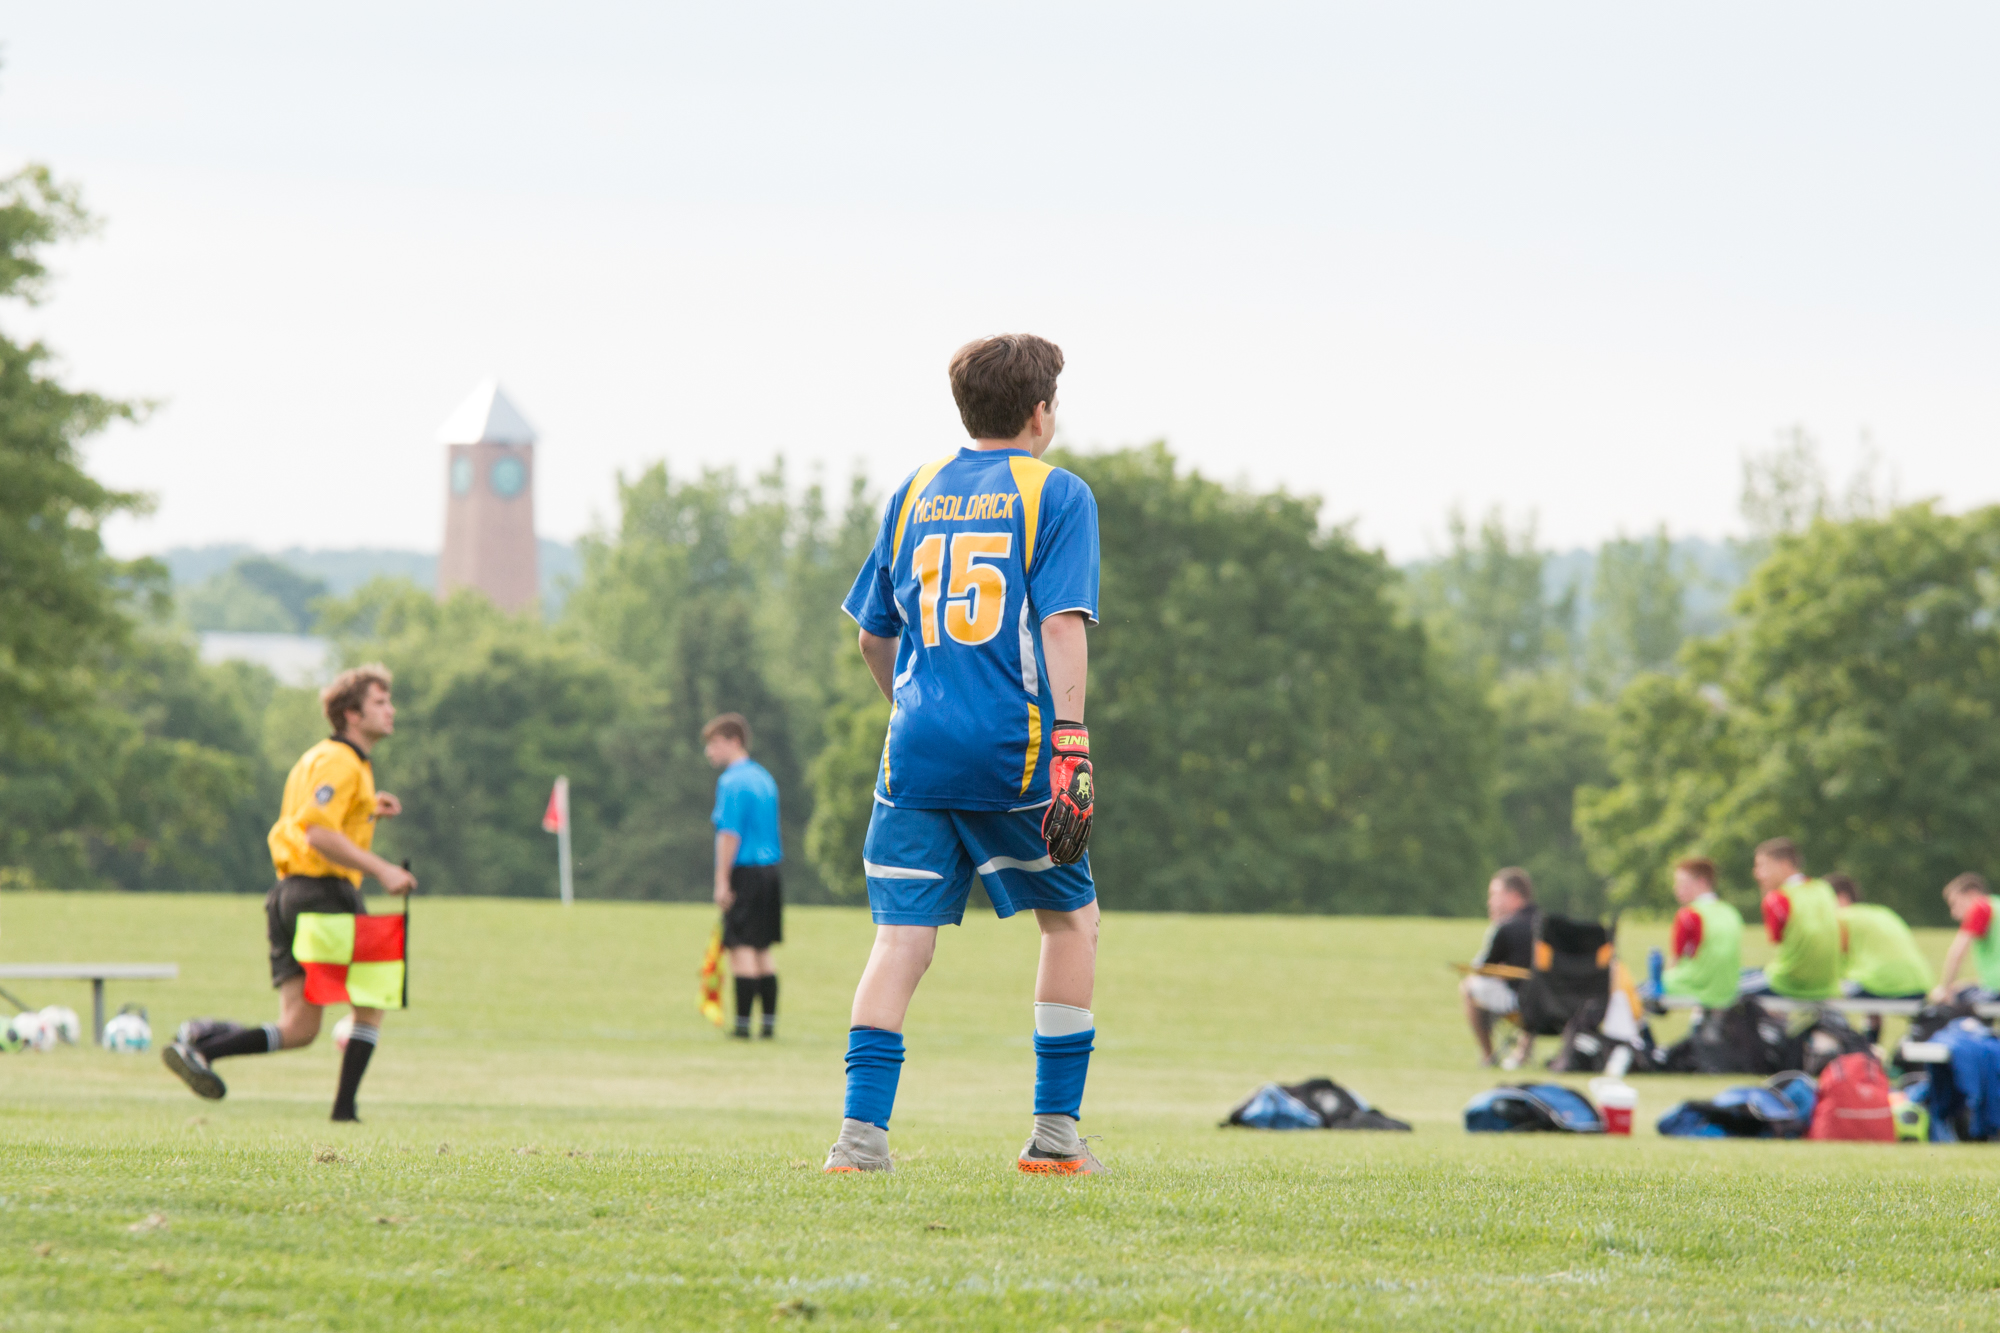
1531,1107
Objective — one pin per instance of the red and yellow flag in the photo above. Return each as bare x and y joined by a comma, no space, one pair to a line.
351,959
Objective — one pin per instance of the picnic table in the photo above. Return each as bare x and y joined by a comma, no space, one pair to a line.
96,974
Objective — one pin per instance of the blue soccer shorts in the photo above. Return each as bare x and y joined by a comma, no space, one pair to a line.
920,865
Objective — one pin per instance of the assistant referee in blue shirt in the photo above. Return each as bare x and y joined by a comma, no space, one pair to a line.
747,853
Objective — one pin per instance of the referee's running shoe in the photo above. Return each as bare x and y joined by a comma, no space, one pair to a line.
194,1071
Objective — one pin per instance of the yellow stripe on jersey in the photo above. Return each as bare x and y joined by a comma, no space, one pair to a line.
1034,748
1029,476
917,483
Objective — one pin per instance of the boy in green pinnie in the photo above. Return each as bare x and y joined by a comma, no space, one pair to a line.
1879,958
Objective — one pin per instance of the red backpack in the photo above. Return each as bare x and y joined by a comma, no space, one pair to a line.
1853,1101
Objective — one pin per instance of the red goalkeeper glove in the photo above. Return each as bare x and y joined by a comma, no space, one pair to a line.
1066,826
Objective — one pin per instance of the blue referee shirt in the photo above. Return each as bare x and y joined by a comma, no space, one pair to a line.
746,804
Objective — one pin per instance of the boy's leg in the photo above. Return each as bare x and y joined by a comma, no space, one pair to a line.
901,956
767,991
919,874
1479,1020
201,1041
748,978
354,1061
1065,1031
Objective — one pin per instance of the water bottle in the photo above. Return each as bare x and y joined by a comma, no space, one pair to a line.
1656,967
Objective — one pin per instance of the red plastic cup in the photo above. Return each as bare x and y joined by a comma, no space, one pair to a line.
1615,1100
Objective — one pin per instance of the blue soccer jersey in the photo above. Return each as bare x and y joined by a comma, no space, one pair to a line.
976,550
746,804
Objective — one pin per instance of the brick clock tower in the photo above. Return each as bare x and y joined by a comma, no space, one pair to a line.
489,508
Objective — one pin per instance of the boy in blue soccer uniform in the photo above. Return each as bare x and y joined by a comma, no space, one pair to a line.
972,609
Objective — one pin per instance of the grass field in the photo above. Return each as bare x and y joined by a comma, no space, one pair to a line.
553,1138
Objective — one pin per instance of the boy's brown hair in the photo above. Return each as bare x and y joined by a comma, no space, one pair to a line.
997,382
733,725
1781,849
1843,886
348,689
1966,883
1699,866
1516,882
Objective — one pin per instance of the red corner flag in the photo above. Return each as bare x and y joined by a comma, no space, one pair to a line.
556,818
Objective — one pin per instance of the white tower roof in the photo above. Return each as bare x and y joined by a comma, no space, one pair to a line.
486,417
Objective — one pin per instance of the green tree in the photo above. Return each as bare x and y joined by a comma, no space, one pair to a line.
1484,603
490,708
716,597
1271,735
1851,706
63,602
157,781
255,593
1551,742
1638,611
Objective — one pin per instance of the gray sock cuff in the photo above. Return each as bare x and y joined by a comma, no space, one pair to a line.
273,1038
365,1032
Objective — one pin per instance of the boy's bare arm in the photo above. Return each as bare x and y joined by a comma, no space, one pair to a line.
1068,652
880,655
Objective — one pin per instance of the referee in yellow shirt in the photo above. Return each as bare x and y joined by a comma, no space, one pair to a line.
319,847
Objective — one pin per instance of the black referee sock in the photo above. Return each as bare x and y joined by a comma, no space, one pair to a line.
746,996
243,1041
360,1046
767,990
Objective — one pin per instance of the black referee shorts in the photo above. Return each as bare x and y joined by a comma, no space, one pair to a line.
303,893
756,920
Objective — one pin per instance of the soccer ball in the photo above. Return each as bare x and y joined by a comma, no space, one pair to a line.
342,1031
32,1033
64,1023
129,1033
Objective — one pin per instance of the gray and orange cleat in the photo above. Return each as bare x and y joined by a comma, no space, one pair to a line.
1055,1149
194,1071
861,1147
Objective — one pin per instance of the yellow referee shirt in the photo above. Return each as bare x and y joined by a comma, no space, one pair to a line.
331,785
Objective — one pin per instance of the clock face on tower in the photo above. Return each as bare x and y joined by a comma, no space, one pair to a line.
461,476
507,477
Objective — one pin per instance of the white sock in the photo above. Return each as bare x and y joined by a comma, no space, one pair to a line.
1057,1134
1061,1020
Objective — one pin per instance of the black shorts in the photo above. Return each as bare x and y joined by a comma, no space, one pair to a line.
303,893
756,920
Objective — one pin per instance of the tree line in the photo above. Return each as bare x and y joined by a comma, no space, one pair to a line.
1283,720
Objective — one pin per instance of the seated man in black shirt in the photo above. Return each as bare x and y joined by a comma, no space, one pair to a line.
1510,941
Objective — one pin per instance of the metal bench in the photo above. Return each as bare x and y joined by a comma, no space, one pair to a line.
1778,1004
96,974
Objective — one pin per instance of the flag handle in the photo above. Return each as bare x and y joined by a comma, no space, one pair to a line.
406,938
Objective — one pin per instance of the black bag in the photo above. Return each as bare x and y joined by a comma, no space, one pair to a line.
1336,1107
1825,1039
1586,1050
1742,1039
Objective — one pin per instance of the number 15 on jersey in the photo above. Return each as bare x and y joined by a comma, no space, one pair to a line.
975,598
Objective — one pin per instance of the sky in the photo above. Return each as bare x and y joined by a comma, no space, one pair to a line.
1571,260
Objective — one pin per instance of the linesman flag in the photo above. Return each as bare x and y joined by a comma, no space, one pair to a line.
352,959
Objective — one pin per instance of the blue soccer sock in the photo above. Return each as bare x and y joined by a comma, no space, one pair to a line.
1061,1066
874,1063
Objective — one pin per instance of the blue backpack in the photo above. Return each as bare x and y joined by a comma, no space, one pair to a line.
1779,1109
1531,1107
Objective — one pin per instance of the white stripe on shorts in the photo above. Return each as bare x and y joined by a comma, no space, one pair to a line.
897,872
1000,863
